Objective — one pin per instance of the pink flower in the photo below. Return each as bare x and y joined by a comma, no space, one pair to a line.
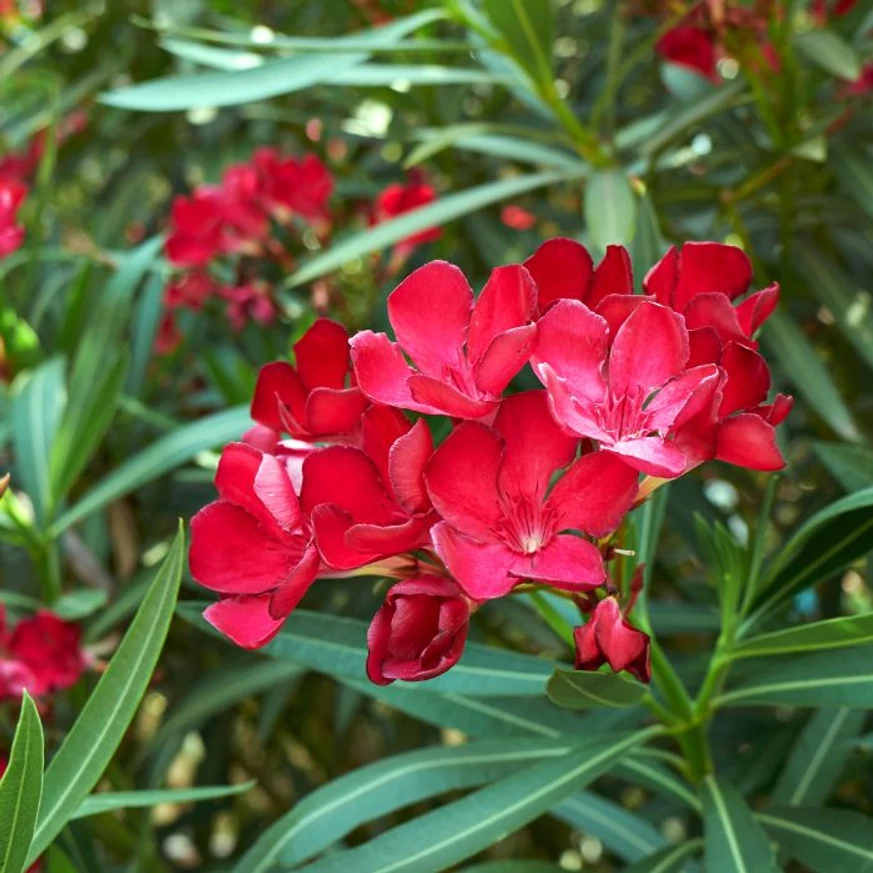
608,638
398,199
602,372
419,631
370,503
197,228
691,47
563,269
12,194
502,523
465,353
701,281
294,187
316,399
251,302
253,546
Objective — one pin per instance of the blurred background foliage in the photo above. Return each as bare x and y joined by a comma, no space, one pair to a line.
612,145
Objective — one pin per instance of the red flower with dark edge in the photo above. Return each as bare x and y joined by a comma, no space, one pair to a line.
315,399
465,354
608,638
253,546
602,374
562,268
370,503
197,228
419,631
691,47
502,523
398,199
293,187
12,194
701,281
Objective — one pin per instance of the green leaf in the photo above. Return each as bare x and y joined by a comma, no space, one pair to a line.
513,867
830,52
21,789
38,399
824,840
145,327
79,604
824,679
626,835
330,812
734,841
583,689
57,861
851,466
801,364
852,165
96,734
109,801
435,214
434,842
669,860
818,757
282,76
610,210
833,633
336,645
649,244
528,26
163,455
846,300
824,545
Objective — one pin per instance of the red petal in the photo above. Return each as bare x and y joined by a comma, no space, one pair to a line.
778,410
291,591
330,525
381,427
535,446
507,301
374,541
441,398
573,341
334,412
322,355
649,348
345,477
235,482
614,275
567,562
704,347
713,309
711,266
506,355
278,385
406,465
617,308
748,441
461,479
480,568
748,379
653,456
381,371
430,313
574,415
682,398
594,494
561,268
231,553
246,620
661,279
757,308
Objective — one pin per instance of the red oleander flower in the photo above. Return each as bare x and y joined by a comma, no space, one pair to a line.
42,654
247,223
251,302
823,10
465,353
861,86
398,199
370,503
502,522
294,187
622,379
189,291
253,546
12,194
562,268
517,217
608,638
168,337
694,48
419,631
701,281
198,228
316,398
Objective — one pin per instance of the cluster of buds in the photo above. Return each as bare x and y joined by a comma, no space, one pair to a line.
337,479
231,242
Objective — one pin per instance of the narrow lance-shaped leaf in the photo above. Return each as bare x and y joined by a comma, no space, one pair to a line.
21,789
105,718
528,27
851,466
583,689
830,52
610,210
669,860
833,633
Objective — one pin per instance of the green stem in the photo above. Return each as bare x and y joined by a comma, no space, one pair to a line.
604,108
47,563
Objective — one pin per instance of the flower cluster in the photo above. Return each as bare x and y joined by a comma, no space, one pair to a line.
527,489
41,655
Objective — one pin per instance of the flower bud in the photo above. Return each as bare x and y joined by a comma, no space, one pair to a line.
608,638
